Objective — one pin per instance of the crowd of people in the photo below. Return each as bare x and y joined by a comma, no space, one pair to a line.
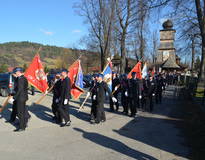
135,94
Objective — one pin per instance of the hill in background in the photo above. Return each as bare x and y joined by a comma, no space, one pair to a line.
14,54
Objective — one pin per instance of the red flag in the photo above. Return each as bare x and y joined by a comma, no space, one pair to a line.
35,74
75,75
137,69
153,71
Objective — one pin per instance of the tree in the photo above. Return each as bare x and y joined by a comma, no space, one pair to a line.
3,68
99,14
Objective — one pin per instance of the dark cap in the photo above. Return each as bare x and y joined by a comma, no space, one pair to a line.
133,73
64,70
18,69
95,75
100,75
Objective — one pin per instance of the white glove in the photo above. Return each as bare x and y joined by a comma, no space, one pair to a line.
57,100
11,100
114,99
140,97
94,97
126,94
65,101
116,88
46,92
153,94
88,94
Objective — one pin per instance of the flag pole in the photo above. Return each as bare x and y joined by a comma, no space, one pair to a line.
44,95
5,103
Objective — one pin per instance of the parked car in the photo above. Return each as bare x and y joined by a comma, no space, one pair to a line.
87,81
4,84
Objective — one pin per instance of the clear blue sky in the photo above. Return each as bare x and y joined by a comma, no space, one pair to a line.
52,22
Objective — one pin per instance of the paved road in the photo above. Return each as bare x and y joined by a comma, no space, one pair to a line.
147,137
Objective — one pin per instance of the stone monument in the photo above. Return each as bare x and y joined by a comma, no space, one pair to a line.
166,56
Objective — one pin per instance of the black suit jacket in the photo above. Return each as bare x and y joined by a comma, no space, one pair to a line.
101,89
65,90
21,89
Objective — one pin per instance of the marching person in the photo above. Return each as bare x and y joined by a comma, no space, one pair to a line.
93,91
124,93
133,93
159,88
21,96
115,91
63,101
56,83
101,89
14,108
151,84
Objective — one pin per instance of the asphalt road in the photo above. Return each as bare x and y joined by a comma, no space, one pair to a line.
150,136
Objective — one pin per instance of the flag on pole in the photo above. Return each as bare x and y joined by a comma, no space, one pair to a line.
76,78
36,75
107,72
137,69
153,71
144,71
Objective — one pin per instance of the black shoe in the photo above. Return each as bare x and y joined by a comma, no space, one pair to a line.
65,124
97,122
19,130
9,121
54,118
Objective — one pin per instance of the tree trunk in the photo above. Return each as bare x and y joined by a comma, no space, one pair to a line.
201,82
123,55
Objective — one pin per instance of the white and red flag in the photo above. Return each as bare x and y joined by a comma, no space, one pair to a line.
36,75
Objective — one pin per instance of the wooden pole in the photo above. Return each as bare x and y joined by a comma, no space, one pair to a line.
5,103
44,95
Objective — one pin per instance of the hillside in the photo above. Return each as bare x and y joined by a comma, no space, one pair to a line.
21,54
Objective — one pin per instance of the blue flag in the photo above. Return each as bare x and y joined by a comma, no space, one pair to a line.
108,76
79,79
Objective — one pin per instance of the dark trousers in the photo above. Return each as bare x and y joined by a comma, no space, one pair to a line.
100,115
21,112
124,101
93,110
133,105
64,112
116,103
143,103
13,112
151,103
55,111
159,97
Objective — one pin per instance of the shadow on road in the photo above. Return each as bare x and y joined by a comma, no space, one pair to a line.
114,145
155,132
45,113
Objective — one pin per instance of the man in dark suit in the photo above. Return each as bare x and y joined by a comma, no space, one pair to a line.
93,91
64,98
101,89
21,96
12,93
115,91
56,83
133,92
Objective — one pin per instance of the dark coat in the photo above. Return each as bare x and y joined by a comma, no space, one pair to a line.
65,89
115,83
134,89
56,89
101,89
21,89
